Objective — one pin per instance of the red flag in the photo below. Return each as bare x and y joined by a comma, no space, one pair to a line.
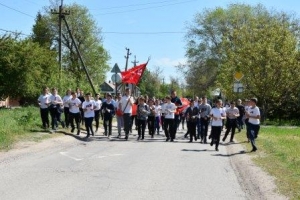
134,74
185,104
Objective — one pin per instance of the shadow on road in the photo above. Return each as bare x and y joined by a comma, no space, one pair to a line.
197,150
232,154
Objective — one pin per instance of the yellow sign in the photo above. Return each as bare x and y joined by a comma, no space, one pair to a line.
238,76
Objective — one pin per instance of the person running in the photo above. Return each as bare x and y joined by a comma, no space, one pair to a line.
119,115
65,99
98,104
126,107
253,115
176,100
217,115
43,102
55,109
151,118
192,114
240,123
142,115
89,114
169,110
74,105
108,110
81,98
157,116
204,109
232,114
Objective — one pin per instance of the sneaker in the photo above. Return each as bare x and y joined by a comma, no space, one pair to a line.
96,130
152,136
109,137
167,139
126,137
78,132
223,139
217,149
138,137
72,130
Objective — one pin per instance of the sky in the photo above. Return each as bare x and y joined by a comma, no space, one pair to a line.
154,28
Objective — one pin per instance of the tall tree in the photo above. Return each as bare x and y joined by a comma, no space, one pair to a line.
248,39
88,39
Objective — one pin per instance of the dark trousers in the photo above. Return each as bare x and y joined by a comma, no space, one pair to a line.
240,123
81,115
192,130
141,126
254,129
97,118
107,125
215,135
151,125
127,123
157,124
45,117
169,128
247,128
182,120
77,117
133,121
55,117
198,128
162,119
204,128
88,125
176,124
67,113
231,125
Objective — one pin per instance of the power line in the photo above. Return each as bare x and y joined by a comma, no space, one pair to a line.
133,5
126,11
143,33
17,10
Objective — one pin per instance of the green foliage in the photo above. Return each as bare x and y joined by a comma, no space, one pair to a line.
88,40
28,65
17,123
252,40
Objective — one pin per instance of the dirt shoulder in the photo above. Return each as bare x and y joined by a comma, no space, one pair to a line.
256,183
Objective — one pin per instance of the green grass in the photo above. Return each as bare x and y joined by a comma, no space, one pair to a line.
19,124
279,154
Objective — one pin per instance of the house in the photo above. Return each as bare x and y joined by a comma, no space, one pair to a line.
109,87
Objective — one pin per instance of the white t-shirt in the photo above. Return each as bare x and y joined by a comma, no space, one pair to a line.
89,105
157,111
97,104
124,101
66,100
44,100
56,98
169,109
74,105
218,113
253,112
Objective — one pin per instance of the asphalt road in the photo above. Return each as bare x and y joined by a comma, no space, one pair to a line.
69,167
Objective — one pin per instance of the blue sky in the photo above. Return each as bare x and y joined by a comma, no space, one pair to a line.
153,28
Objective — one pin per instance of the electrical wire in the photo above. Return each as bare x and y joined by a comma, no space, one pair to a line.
17,10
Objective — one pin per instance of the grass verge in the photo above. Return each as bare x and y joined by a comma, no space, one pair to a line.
279,154
20,124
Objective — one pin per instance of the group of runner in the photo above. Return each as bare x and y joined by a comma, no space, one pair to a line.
155,114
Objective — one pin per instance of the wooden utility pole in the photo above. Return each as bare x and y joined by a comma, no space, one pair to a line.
127,57
61,13
134,62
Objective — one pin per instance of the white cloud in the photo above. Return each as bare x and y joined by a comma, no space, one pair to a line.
168,62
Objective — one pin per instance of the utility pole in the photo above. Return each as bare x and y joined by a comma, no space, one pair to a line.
134,62
127,57
61,13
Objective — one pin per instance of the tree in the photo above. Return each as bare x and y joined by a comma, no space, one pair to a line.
88,39
25,68
252,40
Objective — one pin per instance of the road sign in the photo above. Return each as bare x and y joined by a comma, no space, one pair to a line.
116,69
116,78
238,87
238,76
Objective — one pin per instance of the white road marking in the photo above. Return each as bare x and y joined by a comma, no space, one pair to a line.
65,154
110,155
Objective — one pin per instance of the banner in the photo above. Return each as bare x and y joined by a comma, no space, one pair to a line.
134,74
